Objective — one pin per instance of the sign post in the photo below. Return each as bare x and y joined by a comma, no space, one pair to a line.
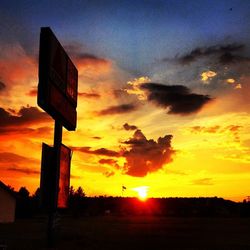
55,185
57,95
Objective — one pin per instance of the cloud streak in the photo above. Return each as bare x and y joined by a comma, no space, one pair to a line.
224,53
203,182
22,131
8,157
24,170
216,129
89,95
119,109
100,151
25,116
233,130
108,161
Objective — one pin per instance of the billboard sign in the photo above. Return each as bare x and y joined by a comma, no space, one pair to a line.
58,80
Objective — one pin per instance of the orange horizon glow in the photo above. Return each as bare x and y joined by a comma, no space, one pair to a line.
210,149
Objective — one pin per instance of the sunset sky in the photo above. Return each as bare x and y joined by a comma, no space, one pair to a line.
163,102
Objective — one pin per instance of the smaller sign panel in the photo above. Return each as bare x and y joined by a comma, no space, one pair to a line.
47,177
64,178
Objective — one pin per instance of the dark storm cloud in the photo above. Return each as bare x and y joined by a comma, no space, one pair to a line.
100,151
2,86
220,50
25,116
177,98
119,109
146,156
229,58
89,95
126,126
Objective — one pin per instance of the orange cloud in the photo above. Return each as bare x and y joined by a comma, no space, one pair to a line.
90,66
207,75
238,86
199,129
134,87
145,156
230,80
217,129
23,170
32,92
16,67
25,116
9,158
24,132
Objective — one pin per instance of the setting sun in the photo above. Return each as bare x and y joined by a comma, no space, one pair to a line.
142,192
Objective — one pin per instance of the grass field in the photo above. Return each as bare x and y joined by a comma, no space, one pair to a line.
135,232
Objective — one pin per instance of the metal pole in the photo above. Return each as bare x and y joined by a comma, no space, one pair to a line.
57,150
55,191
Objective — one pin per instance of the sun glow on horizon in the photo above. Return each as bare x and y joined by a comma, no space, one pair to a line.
142,192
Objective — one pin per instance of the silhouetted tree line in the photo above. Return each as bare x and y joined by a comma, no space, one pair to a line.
26,205
185,207
81,205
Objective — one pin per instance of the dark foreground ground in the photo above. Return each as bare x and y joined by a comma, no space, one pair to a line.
135,232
